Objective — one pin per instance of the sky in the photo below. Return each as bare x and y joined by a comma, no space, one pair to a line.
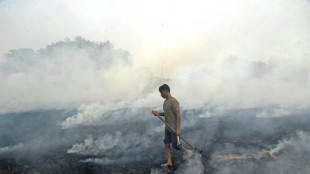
162,34
227,50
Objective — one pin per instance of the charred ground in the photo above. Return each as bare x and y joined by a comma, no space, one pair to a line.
235,142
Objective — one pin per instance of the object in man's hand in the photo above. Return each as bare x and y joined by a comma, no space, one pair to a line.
154,112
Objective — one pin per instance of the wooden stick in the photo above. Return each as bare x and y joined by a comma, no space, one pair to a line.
194,148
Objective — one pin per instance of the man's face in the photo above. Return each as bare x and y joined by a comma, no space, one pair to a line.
164,93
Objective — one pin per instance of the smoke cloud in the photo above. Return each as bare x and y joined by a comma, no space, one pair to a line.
72,72
10,148
93,147
245,84
68,73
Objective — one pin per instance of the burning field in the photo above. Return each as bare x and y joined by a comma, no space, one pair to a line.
79,79
130,141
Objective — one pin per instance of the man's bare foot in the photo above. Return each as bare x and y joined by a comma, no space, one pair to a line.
189,154
166,165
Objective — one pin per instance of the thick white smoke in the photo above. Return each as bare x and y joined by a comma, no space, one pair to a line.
241,83
63,80
68,73
72,72
8,149
94,147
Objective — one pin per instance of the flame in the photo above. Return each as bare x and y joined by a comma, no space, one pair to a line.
269,153
231,156
257,156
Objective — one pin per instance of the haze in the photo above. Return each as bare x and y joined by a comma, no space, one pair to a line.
211,44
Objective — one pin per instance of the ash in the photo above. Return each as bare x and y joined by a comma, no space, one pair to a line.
130,141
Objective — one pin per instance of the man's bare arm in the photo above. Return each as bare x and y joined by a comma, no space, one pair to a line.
156,113
178,131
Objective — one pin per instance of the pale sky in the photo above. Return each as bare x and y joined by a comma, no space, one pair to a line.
161,33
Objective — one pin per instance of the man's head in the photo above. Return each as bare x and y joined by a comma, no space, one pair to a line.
164,90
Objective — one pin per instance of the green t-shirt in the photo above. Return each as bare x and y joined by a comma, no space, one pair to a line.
171,105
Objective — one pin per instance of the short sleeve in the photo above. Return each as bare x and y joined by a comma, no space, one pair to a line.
175,105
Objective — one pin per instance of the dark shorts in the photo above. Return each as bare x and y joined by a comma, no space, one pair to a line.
171,138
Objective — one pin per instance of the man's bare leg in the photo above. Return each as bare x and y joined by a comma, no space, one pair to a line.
188,152
168,153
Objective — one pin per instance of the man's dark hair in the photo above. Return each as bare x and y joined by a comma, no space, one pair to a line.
164,87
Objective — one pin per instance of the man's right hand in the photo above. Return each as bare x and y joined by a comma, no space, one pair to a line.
156,113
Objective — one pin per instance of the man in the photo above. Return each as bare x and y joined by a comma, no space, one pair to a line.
173,118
